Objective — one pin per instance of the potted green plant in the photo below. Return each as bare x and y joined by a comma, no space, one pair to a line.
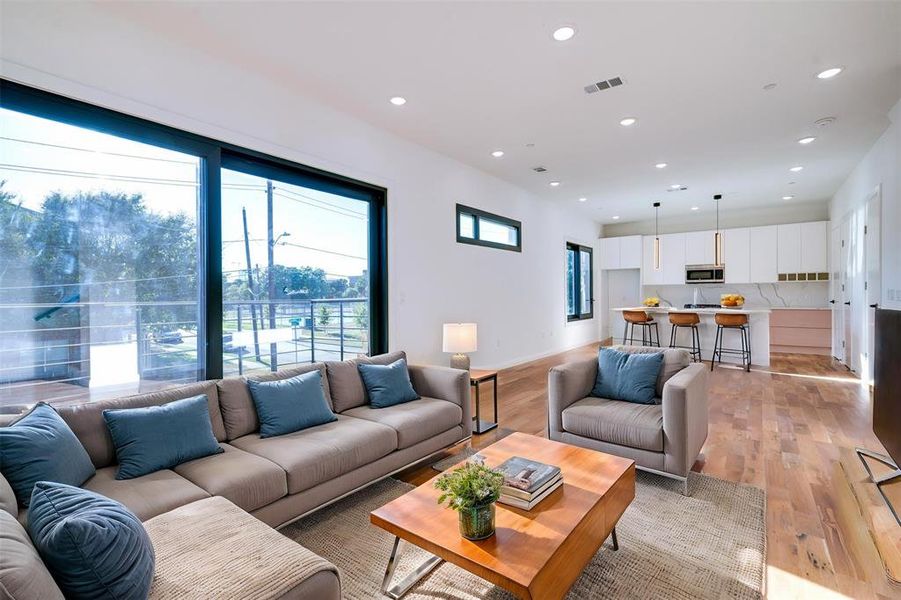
472,491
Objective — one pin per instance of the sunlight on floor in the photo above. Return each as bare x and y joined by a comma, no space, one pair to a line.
781,584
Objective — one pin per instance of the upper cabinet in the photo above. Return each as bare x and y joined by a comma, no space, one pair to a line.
672,260
737,255
700,248
621,252
764,254
789,248
803,247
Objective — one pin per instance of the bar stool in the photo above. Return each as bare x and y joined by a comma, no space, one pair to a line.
690,320
643,320
736,322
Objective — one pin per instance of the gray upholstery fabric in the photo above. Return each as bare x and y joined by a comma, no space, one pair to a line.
674,360
413,421
311,456
23,575
8,502
685,407
616,422
642,458
247,480
345,382
292,506
146,496
239,414
86,420
324,585
444,383
566,384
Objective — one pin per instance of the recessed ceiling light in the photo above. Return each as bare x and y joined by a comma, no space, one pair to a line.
829,73
795,169
694,208
675,186
769,86
582,199
398,100
628,121
806,140
791,183
787,197
660,165
554,183
616,217
561,34
497,153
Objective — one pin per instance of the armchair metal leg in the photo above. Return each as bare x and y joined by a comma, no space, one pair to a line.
685,486
614,540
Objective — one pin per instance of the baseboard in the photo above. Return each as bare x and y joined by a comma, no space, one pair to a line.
529,358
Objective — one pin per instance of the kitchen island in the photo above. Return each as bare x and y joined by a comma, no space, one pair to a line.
758,329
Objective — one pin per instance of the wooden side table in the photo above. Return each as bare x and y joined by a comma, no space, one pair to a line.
477,377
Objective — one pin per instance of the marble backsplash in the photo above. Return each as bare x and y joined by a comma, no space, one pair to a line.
806,294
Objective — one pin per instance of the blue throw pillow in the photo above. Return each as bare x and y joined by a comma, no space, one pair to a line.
93,546
290,405
627,376
387,385
160,437
40,447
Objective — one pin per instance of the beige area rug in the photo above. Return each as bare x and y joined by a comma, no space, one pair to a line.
709,545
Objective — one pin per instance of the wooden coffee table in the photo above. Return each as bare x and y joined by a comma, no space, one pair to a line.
534,554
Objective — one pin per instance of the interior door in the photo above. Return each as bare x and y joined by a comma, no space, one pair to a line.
846,284
835,295
873,272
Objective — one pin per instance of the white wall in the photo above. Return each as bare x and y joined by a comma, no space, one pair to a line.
517,299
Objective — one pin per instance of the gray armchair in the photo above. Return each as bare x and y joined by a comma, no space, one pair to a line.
663,438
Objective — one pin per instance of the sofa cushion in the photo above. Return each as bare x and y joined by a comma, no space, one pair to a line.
345,382
289,405
387,385
248,480
86,420
627,376
146,496
314,455
39,446
413,421
616,422
238,412
159,437
93,546
23,575
8,502
674,360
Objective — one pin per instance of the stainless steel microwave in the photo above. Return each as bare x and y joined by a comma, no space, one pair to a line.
705,274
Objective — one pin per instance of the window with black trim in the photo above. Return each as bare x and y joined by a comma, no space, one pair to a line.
579,282
482,228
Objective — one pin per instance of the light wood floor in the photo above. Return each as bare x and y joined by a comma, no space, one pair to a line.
780,429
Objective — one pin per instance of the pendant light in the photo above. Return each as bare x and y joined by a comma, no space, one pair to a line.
656,236
717,237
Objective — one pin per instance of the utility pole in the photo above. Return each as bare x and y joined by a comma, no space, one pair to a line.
253,306
270,245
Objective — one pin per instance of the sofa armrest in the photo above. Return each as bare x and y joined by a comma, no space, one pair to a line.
566,384
444,383
685,416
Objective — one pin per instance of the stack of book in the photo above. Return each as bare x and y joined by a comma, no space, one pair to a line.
527,482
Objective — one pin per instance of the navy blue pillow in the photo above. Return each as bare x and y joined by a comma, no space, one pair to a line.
387,385
290,405
93,546
627,376
160,437
40,447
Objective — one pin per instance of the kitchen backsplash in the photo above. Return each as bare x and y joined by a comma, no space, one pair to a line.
810,294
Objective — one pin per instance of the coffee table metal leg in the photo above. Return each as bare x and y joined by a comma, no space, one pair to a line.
615,542
399,589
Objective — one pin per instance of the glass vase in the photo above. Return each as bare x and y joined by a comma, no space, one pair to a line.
477,523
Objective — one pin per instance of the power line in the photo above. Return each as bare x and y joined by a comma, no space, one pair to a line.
325,251
331,210
49,145
328,205
90,175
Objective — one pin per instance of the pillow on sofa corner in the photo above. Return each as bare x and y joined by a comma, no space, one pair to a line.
39,446
387,385
289,405
160,437
626,376
93,546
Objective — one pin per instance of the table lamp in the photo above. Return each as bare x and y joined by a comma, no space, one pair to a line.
460,338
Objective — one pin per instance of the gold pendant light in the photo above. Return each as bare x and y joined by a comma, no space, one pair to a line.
718,237
656,236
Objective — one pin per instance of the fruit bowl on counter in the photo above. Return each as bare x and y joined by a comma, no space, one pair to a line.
651,302
732,300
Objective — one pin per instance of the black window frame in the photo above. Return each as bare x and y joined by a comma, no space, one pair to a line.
477,216
213,153
577,249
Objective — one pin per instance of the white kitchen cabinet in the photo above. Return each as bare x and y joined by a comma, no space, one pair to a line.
610,253
764,254
814,247
737,255
672,258
788,248
699,248
630,252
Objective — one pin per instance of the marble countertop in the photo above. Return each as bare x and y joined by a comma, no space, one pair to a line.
700,311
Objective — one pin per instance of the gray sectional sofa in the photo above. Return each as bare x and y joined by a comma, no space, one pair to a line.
280,479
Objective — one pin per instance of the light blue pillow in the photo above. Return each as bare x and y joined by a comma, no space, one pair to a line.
387,385
40,447
160,437
93,546
290,405
627,376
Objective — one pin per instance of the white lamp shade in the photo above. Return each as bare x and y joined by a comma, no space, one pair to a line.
460,337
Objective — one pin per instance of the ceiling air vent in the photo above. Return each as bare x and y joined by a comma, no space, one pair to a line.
539,169
603,85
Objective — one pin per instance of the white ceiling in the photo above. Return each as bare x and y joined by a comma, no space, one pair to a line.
480,76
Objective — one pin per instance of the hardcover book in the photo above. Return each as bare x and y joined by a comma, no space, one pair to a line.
530,504
526,475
